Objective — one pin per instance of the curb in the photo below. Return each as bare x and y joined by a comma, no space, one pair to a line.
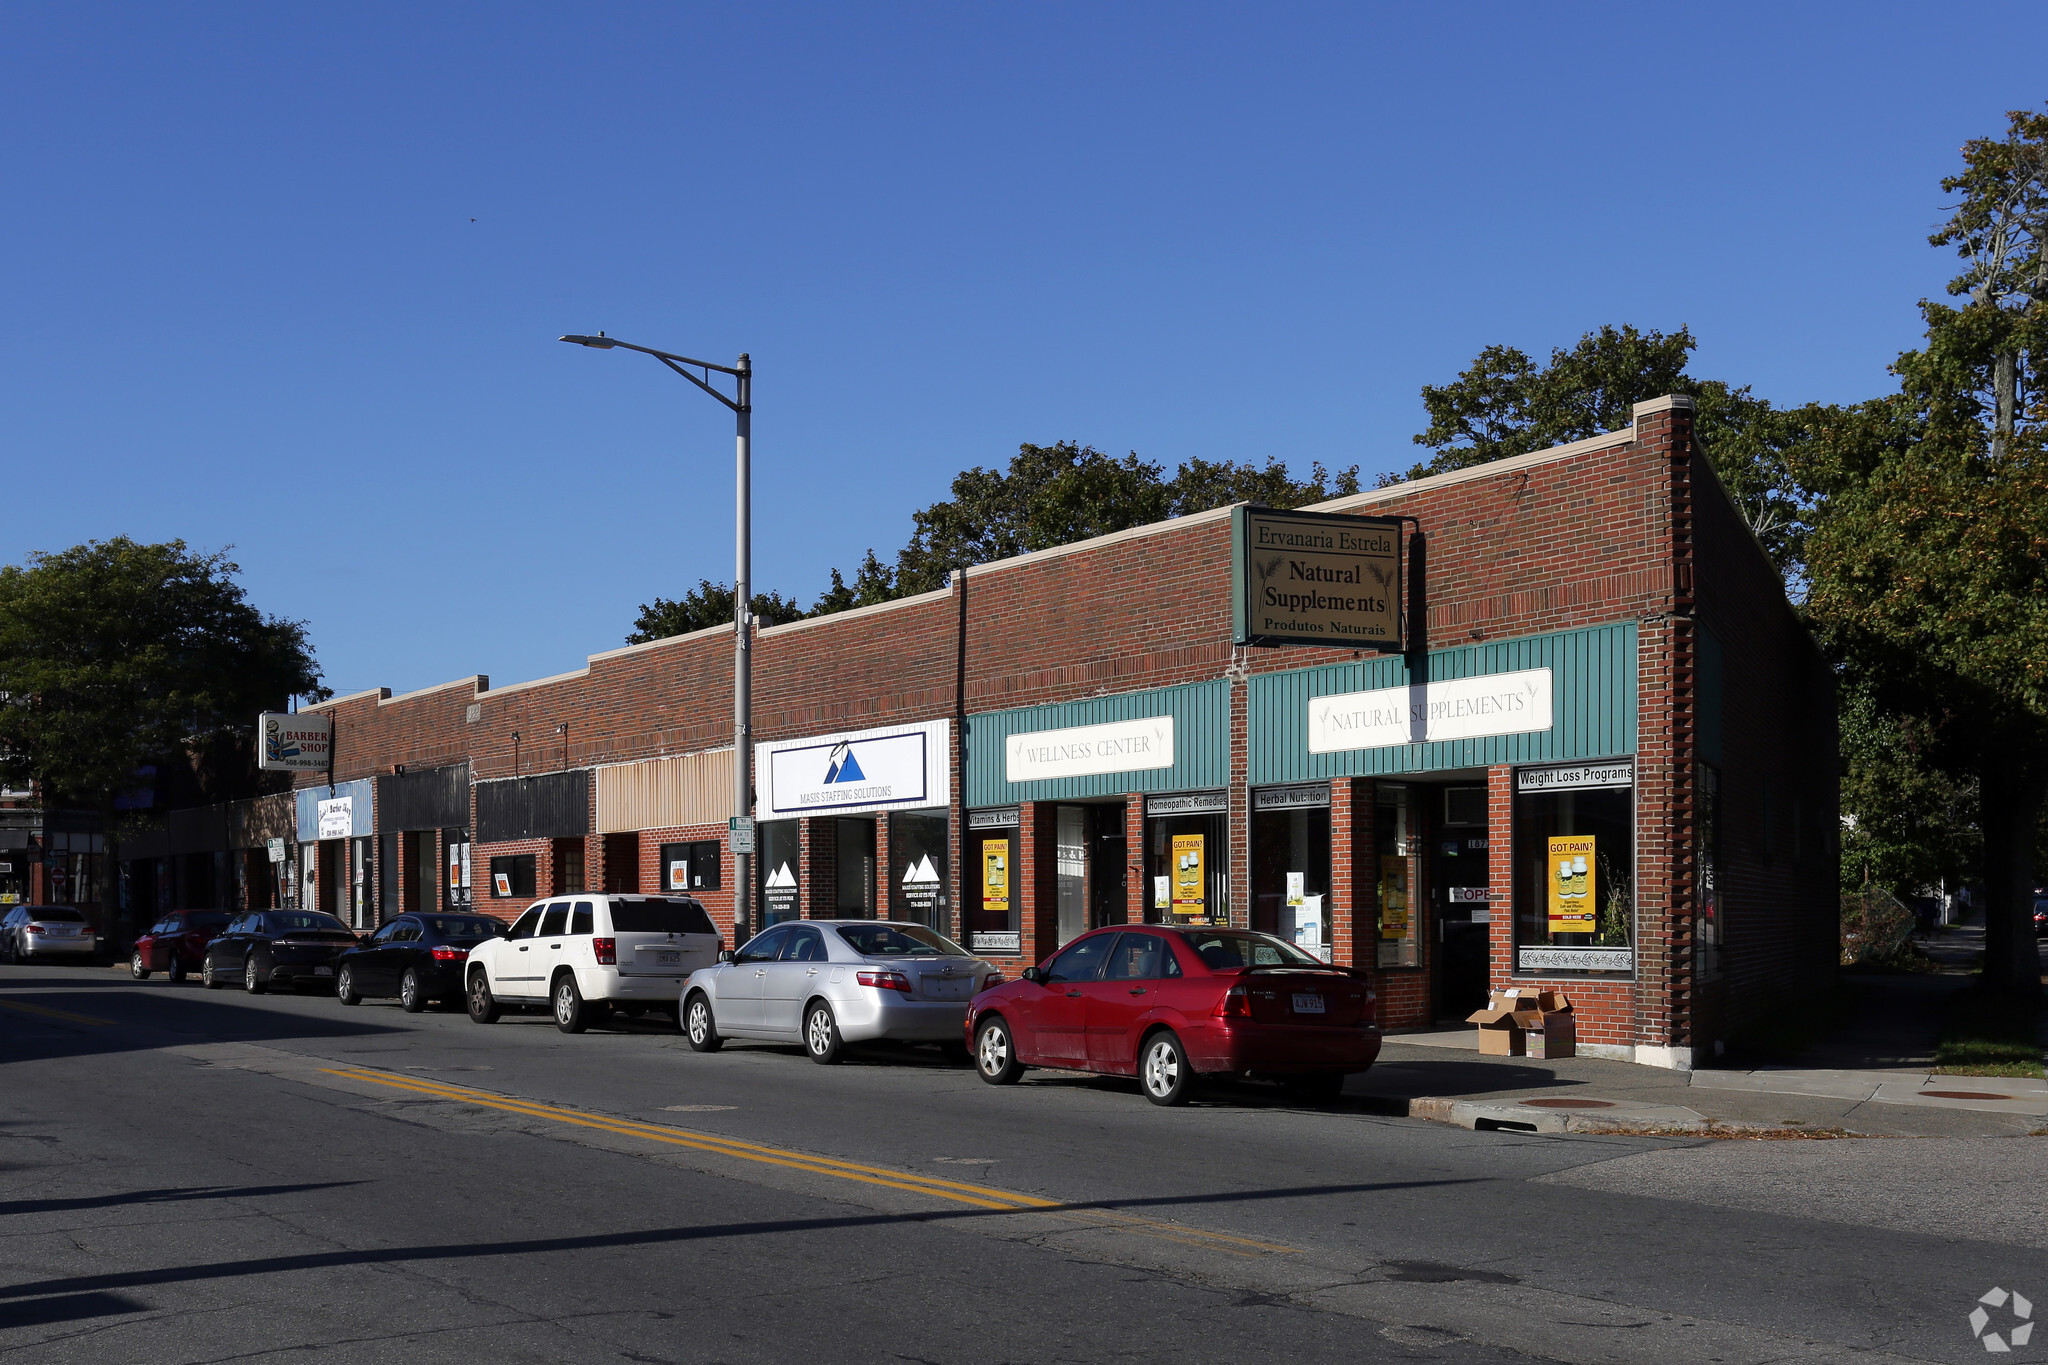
1512,1116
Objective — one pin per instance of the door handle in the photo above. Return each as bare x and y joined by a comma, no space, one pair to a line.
810,971
1072,994
522,947
1137,990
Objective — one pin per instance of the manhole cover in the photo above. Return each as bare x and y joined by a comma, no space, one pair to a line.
1961,1095
1568,1104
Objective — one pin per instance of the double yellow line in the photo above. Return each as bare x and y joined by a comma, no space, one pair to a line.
62,1016
959,1192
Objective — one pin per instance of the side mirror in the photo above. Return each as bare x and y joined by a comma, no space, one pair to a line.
1032,974
725,954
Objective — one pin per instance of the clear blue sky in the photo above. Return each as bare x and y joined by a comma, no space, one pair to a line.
288,277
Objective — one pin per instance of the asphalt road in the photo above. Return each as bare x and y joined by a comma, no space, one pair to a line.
206,1176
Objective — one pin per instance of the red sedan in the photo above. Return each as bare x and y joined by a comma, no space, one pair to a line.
176,943
1169,1004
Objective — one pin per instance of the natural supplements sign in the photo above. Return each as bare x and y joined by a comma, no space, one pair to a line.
1315,578
1119,746
294,743
1458,708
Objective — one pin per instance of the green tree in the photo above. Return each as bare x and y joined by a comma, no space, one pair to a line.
1504,404
116,654
706,605
1909,824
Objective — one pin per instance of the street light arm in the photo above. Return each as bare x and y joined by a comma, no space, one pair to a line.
674,362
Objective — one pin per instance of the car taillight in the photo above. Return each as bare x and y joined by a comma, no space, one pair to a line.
888,981
37,929
991,981
1236,1004
607,951
447,954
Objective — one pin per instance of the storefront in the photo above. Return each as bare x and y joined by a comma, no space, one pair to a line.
336,828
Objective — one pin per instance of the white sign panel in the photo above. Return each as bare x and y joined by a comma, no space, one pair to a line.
892,768
338,817
1117,746
1459,708
294,743
1620,774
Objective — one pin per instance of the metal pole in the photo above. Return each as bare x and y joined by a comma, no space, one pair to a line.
743,648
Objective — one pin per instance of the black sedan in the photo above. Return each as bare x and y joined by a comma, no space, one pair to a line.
418,958
286,948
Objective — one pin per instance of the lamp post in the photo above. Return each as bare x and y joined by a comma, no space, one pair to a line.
742,405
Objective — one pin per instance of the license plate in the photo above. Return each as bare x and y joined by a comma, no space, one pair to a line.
323,971
1308,1004
668,959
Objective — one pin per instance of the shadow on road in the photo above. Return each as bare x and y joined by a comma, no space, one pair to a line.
171,1196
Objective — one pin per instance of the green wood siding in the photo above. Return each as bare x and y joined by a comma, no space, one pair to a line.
1593,711
1201,744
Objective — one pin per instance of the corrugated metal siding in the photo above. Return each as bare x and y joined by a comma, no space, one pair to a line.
661,793
1201,744
434,798
551,806
1593,708
361,814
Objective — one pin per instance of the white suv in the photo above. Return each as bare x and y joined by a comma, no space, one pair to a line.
586,955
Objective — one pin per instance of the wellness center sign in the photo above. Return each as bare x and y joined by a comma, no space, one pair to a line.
1315,578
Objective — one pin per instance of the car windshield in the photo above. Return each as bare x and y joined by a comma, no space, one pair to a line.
206,919
898,940
289,921
452,926
660,917
56,914
1223,950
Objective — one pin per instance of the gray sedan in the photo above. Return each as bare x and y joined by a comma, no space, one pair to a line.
827,983
30,933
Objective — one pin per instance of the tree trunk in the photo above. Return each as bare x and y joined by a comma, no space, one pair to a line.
2011,794
2005,392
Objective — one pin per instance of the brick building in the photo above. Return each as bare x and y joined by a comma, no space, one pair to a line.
1072,738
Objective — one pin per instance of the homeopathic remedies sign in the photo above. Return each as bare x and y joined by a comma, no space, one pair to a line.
1315,578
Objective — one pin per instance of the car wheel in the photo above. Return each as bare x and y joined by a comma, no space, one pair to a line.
135,967
483,1006
1163,1071
571,1015
412,996
821,1034
252,980
345,987
995,1053
701,1025
1318,1089
175,969
207,977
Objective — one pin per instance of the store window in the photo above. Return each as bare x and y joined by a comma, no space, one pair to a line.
1707,840
781,856
917,869
1187,848
363,881
993,911
455,848
1394,842
568,868
692,866
1291,865
854,887
1574,876
512,877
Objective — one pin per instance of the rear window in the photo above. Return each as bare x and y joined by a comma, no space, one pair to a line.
894,940
207,919
456,926
1222,951
660,917
56,914
284,922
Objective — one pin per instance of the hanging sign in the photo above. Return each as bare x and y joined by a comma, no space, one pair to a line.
337,817
294,742
1569,876
1315,578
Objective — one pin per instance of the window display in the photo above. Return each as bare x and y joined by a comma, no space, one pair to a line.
1574,888
1291,865
1394,841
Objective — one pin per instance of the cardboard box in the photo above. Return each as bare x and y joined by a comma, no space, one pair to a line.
1502,1029
1553,1035
1525,1022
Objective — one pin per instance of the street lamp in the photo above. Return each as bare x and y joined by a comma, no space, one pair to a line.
742,406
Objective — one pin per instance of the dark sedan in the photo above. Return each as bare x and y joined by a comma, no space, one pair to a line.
418,958
176,943
282,948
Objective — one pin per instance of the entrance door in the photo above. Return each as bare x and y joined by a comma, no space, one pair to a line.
1070,864
1108,873
1459,882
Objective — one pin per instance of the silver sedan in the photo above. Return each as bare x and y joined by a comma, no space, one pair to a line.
827,983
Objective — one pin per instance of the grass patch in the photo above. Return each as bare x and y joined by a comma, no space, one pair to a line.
1986,1034
1793,1024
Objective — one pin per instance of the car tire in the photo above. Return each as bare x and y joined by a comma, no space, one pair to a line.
821,1034
995,1053
1316,1089
700,1025
412,996
252,980
345,987
483,1006
1163,1070
175,971
571,1014
207,978
135,967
